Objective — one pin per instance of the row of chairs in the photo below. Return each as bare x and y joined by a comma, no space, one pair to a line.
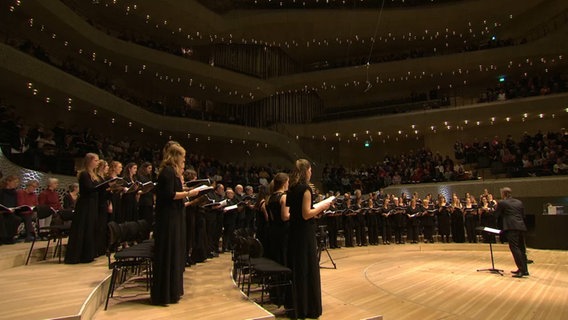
133,253
57,231
272,278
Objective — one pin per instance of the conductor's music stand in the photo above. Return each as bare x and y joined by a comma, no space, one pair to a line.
494,231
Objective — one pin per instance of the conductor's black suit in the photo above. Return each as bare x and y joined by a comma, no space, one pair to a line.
512,213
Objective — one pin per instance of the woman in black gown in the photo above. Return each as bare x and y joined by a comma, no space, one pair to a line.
146,200
115,170
443,216
105,208
129,203
302,248
82,242
279,216
457,220
71,196
169,250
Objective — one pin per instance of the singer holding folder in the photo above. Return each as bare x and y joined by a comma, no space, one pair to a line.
170,251
302,247
81,244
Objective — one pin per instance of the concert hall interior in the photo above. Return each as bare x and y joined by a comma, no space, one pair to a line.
425,105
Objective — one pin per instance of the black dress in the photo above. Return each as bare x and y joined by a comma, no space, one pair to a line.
302,256
101,234
82,243
169,250
129,204
278,231
458,226
9,222
146,203
444,224
117,213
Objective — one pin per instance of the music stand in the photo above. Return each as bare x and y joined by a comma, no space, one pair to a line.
494,231
322,239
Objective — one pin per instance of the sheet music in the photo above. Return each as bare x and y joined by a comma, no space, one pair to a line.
492,230
203,187
198,181
229,208
220,204
324,202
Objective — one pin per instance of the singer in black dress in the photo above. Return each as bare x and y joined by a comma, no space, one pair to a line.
302,247
81,247
279,217
169,250
129,203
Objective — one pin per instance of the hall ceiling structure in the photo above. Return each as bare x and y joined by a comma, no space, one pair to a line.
315,35
187,23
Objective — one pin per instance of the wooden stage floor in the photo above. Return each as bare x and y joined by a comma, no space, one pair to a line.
419,281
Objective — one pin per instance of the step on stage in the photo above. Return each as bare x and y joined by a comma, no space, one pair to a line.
419,281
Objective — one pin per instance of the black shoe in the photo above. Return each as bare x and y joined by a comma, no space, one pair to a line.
517,275
518,271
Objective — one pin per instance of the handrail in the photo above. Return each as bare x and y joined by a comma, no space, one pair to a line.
37,71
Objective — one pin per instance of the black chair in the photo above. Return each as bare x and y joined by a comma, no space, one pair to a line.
144,230
274,279
240,259
134,259
59,229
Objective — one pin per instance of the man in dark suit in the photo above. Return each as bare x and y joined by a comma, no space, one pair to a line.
512,212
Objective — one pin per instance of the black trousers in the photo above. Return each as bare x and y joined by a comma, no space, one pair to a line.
360,227
27,218
348,227
387,232
211,227
412,233
332,231
429,233
517,246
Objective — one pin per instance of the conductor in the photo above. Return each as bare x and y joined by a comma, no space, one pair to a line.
512,212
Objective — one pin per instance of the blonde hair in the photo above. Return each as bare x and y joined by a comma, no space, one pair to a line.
168,145
100,168
300,172
88,158
172,156
113,165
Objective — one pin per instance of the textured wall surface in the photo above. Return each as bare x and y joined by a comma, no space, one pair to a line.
9,168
